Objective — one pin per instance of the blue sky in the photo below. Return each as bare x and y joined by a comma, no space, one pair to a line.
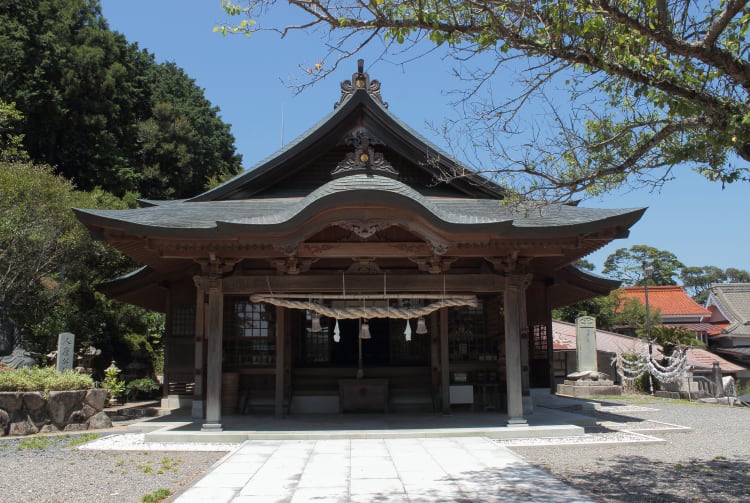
247,78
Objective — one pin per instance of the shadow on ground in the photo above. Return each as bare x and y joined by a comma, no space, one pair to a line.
638,479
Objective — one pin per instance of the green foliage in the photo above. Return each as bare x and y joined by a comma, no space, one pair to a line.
652,85
626,264
612,313
49,263
672,338
112,383
89,98
156,496
44,379
41,442
141,388
11,143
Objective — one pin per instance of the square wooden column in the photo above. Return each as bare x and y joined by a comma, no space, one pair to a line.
280,359
514,306
198,408
445,399
214,355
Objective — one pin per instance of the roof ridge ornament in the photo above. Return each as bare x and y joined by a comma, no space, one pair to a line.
360,80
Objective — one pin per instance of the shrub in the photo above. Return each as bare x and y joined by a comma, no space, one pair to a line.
44,379
112,383
144,387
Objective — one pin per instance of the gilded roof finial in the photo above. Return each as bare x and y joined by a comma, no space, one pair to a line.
360,80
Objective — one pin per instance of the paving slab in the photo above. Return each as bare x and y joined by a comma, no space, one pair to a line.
429,470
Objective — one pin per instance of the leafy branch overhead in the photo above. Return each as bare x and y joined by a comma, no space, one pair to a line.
652,84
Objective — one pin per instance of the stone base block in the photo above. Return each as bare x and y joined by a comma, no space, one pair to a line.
586,391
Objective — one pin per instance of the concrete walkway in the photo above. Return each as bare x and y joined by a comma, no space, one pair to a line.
428,470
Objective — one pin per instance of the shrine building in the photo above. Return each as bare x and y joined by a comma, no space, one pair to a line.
348,273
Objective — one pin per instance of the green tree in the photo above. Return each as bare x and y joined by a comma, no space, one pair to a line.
737,275
697,280
78,85
102,111
612,313
49,263
652,84
627,265
673,338
11,143
184,144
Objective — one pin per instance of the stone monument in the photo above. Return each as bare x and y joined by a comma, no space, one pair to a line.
587,381
65,351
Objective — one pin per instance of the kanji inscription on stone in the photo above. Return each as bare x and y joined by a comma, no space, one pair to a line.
65,351
586,343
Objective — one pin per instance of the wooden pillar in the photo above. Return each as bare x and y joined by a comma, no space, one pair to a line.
445,398
280,358
515,294
198,409
435,379
214,356
550,338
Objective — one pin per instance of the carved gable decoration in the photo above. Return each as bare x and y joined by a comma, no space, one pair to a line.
360,80
364,159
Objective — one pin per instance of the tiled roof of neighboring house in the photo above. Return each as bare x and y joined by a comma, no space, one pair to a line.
671,301
732,302
696,327
741,351
564,339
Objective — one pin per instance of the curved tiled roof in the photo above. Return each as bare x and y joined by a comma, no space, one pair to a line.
733,301
220,217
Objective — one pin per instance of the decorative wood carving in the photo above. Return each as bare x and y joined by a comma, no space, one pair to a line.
506,264
434,264
293,265
364,265
364,159
212,270
363,229
360,80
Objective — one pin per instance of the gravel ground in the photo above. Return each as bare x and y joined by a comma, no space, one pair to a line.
639,451
50,469
710,462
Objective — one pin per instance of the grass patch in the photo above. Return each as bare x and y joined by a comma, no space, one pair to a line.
43,442
156,496
37,443
84,438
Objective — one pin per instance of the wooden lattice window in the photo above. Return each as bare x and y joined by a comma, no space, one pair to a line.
539,342
246,319
183,320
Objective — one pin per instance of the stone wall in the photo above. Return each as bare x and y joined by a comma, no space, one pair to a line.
26,413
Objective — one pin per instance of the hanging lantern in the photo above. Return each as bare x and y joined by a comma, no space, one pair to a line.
336,332
421,326
315,324
364,330
407,331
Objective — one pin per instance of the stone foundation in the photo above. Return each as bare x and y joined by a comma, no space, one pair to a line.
586,389
29,412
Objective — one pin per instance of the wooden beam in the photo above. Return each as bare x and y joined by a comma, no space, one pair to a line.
369,283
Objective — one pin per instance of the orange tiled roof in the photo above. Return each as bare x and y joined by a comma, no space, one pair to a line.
669,300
